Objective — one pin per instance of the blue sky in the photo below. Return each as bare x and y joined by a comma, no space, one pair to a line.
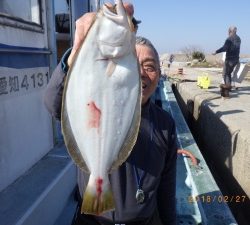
174,25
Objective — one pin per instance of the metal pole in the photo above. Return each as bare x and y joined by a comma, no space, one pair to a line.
98,5
50,23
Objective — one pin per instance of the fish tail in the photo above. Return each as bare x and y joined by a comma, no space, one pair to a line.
98,196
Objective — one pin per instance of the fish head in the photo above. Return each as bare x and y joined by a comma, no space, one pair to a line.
119,14
116,33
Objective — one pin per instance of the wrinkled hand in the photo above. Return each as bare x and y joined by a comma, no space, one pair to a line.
83,25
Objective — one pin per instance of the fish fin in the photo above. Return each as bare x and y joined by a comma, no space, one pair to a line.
68,136
98,197
131,136
110,68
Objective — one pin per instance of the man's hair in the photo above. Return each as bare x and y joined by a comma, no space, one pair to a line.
144,41
232,29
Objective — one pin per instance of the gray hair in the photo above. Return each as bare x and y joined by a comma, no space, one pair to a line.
232,29
144,41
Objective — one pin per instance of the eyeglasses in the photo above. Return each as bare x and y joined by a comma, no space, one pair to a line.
149,68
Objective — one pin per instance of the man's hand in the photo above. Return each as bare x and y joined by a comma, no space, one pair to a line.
83,25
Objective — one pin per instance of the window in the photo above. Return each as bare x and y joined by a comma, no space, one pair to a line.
26,10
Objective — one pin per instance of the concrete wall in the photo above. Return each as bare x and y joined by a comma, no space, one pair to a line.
221,129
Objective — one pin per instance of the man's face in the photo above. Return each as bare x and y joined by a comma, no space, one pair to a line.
149,70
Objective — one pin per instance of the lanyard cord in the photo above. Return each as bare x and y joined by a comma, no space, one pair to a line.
137,175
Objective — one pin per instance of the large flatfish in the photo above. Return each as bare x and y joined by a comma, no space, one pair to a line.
102,104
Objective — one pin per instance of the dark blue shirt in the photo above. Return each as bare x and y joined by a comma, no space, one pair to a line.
231,47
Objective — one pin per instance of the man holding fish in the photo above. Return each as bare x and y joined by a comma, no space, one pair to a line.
123,144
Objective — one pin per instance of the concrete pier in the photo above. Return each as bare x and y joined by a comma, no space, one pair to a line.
221,128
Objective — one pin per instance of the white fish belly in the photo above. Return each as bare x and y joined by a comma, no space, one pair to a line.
101,108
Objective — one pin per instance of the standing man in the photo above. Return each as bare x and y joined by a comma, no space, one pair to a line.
232,49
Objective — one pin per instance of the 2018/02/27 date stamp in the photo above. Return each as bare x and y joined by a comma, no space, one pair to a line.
217,198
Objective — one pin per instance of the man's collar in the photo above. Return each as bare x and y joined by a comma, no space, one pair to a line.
145,108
